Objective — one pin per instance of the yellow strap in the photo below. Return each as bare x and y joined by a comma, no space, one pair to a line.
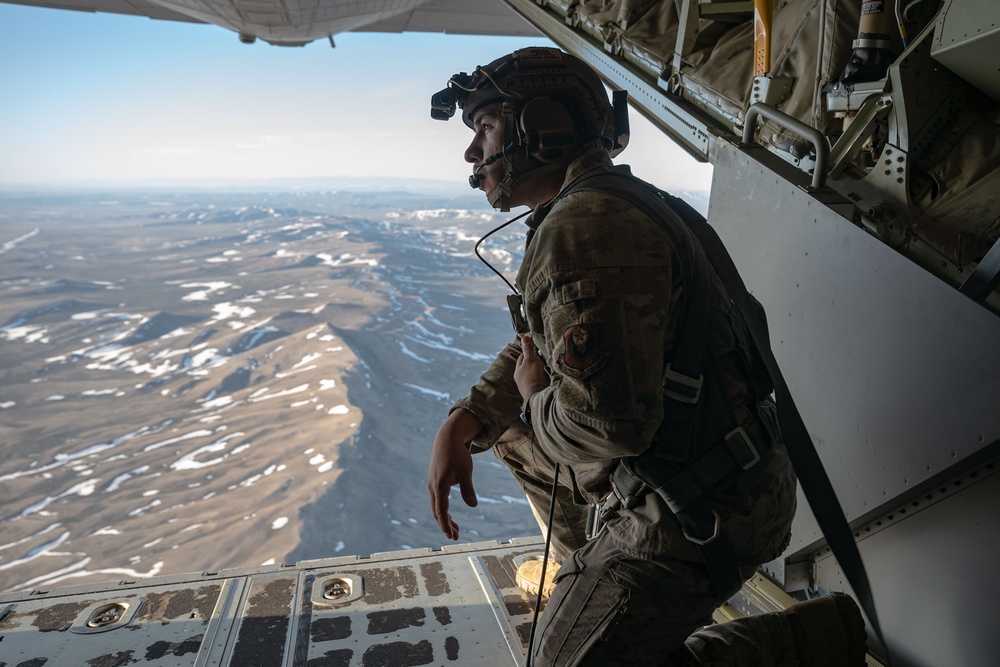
763,16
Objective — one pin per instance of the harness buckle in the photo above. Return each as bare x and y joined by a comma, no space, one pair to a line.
742,448
680,387
595,520
626,486
716,531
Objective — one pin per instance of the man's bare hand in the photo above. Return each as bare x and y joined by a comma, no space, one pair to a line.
530,370
451,464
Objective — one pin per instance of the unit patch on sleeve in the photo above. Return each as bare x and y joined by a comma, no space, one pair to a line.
583,355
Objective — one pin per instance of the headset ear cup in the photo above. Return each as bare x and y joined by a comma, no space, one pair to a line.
532,141
548,130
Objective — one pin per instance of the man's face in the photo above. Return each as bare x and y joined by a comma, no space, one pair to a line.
488,141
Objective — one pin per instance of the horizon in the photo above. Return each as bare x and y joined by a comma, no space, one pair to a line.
105,100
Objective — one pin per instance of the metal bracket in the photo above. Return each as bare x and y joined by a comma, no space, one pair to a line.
872,112
800,576
105,616
771,90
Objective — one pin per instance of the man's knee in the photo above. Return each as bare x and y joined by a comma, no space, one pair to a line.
609,609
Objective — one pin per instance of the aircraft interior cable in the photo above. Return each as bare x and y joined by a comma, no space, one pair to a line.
496,85
909,6
897,7
486,73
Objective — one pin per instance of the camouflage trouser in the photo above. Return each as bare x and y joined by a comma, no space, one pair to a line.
534,472
610,608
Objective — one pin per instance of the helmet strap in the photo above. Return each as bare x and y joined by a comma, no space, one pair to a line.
499,197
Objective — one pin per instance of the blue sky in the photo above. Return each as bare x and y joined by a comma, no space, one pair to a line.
101,97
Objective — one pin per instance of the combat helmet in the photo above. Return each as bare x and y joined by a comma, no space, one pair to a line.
554,106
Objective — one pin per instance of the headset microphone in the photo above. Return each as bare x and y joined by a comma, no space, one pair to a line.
476,178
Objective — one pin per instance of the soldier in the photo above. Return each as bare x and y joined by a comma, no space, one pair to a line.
614,303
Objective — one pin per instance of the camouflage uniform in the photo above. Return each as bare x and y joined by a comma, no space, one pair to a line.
603,298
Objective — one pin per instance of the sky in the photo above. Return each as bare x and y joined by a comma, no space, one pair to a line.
99,98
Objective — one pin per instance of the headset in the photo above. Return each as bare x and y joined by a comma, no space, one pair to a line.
554,106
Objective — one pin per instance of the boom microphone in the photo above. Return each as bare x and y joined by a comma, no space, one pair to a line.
476,178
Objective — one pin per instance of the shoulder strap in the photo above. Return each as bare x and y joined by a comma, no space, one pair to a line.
683,377
665,467
808,466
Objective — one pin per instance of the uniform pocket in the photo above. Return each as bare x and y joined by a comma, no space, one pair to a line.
583,609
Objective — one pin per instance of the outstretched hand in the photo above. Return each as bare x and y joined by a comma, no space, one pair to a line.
450,465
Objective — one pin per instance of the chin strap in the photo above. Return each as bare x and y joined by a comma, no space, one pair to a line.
514,172
499,197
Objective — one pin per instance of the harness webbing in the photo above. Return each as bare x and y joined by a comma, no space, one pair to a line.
812,476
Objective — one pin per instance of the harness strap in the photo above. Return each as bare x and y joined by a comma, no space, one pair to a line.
812,475
808,466
659,468
684,376
684,494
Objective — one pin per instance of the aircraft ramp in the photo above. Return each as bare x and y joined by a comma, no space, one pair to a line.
456,605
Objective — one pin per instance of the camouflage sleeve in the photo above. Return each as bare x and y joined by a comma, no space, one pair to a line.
602,287
494,400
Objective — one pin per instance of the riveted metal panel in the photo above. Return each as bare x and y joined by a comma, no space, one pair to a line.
934,575
967,37
169,627
894,372
455,605
456,608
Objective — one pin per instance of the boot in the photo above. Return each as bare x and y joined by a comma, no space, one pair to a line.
825,632
829,631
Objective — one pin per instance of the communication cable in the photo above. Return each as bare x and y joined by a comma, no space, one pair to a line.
491,233
545,562
555,476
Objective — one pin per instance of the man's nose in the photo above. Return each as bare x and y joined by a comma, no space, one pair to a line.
473,153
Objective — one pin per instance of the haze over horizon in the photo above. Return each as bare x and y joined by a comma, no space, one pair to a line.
105,99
